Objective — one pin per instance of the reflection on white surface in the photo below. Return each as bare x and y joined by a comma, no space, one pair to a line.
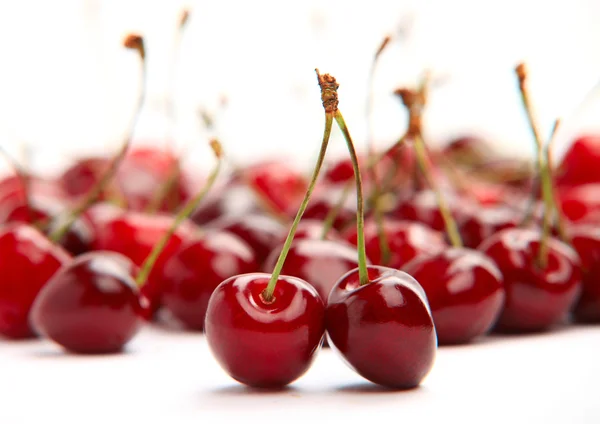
68,87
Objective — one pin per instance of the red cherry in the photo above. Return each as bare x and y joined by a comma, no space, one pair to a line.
319,262
261,232
325,200
536,299
586,241
79,179
406,240
260,343
579,165
340,171
465,292
313,229
134,234
581,204
91,305
423,207
27,261
383,329
277,184
485,222
191,275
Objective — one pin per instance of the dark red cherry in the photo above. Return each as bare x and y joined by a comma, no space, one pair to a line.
384,329
579,165
261,232
191,275
406,240
586,241
465,292
278,185
326,199
91,305
581,204
79,179
262,343
423,208
536,299
27,261
313,229
485,222
134,234
320,262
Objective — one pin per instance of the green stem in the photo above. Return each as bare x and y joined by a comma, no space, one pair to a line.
560,218
449,222
181,216
267,294
335,211
363,274
60,231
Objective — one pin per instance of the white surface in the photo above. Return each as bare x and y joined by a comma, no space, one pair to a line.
170,377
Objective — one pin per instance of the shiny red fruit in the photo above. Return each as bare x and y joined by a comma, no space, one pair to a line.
83,175
485,222
27,261
91,305
384,329
313,229
465,292
261,232
586,241
579,165
323,201
260,343
536,298
319,262
406,240
581,204
191,275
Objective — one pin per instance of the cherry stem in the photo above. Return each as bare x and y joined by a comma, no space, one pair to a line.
327,91
369,109
560,218
181,216
136,42
335,211
23,177
363,274
165,188
542,166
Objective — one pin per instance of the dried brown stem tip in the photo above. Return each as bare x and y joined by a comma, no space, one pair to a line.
183,19
521,71
382,46
329,95
216,148
135,41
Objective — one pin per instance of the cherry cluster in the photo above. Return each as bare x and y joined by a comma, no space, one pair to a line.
386,255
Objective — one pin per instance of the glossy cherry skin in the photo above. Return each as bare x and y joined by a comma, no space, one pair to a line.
406,240
191,275
261,232
91,305
536,299
83,175
581,204
485,222
465,292
579,165
384,329
423,208
320,262
586,241
323,201
27,261
313,229
265,344
134,234
278,185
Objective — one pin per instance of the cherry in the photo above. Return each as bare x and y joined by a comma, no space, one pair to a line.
579,165
586,241
465,292
536,298
485,222
313,229
191,275
261,232
580,204
27,260
383,329
326,200
319,262
91,305
279,337
406,240
79,179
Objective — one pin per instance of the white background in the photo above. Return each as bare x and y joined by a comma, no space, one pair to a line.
68,88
